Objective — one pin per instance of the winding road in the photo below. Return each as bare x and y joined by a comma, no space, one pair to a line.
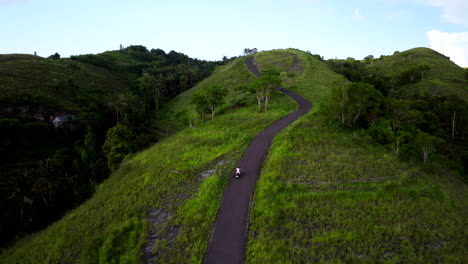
229,235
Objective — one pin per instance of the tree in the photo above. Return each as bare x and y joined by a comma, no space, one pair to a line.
400,137
263,86
369,59
208,99
382,131
397,111
363,98
338,100
148,90
248,51
118,103
451,112
55,56
289,78
426,144
120,141
423,69
410,74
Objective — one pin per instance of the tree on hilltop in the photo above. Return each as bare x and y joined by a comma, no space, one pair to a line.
55,56
263,86
248,51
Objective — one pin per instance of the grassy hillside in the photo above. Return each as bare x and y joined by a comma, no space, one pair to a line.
444,77
48,168
326,195
168,194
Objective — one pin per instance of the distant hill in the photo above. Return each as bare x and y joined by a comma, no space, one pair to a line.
441,77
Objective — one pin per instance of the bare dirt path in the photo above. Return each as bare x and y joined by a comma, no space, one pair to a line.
229,235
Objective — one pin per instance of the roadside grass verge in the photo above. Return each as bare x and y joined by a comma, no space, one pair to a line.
165,179
325,196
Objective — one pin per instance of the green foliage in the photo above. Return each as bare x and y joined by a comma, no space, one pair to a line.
426,144
120,141
263,86
207,100
148,91
354,103
55,56
382,131
364,100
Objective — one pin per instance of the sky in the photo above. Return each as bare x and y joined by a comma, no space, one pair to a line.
211,29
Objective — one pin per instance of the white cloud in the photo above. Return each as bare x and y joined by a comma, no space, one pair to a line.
454,11
454,45
357,15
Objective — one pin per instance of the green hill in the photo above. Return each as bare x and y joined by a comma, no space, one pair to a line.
56,85
441,78
326,194
54,118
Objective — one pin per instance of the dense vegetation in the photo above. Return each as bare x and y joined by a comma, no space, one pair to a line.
330,191
415,102
66,123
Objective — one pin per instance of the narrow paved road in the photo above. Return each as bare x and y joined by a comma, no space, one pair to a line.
229,235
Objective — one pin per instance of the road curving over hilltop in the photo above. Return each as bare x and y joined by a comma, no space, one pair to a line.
229,234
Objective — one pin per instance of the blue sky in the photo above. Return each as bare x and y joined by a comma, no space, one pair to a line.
208,29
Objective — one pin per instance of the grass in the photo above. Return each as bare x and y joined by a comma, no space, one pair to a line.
163,184
281,61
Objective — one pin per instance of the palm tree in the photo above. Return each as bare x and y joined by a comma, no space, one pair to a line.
117,104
